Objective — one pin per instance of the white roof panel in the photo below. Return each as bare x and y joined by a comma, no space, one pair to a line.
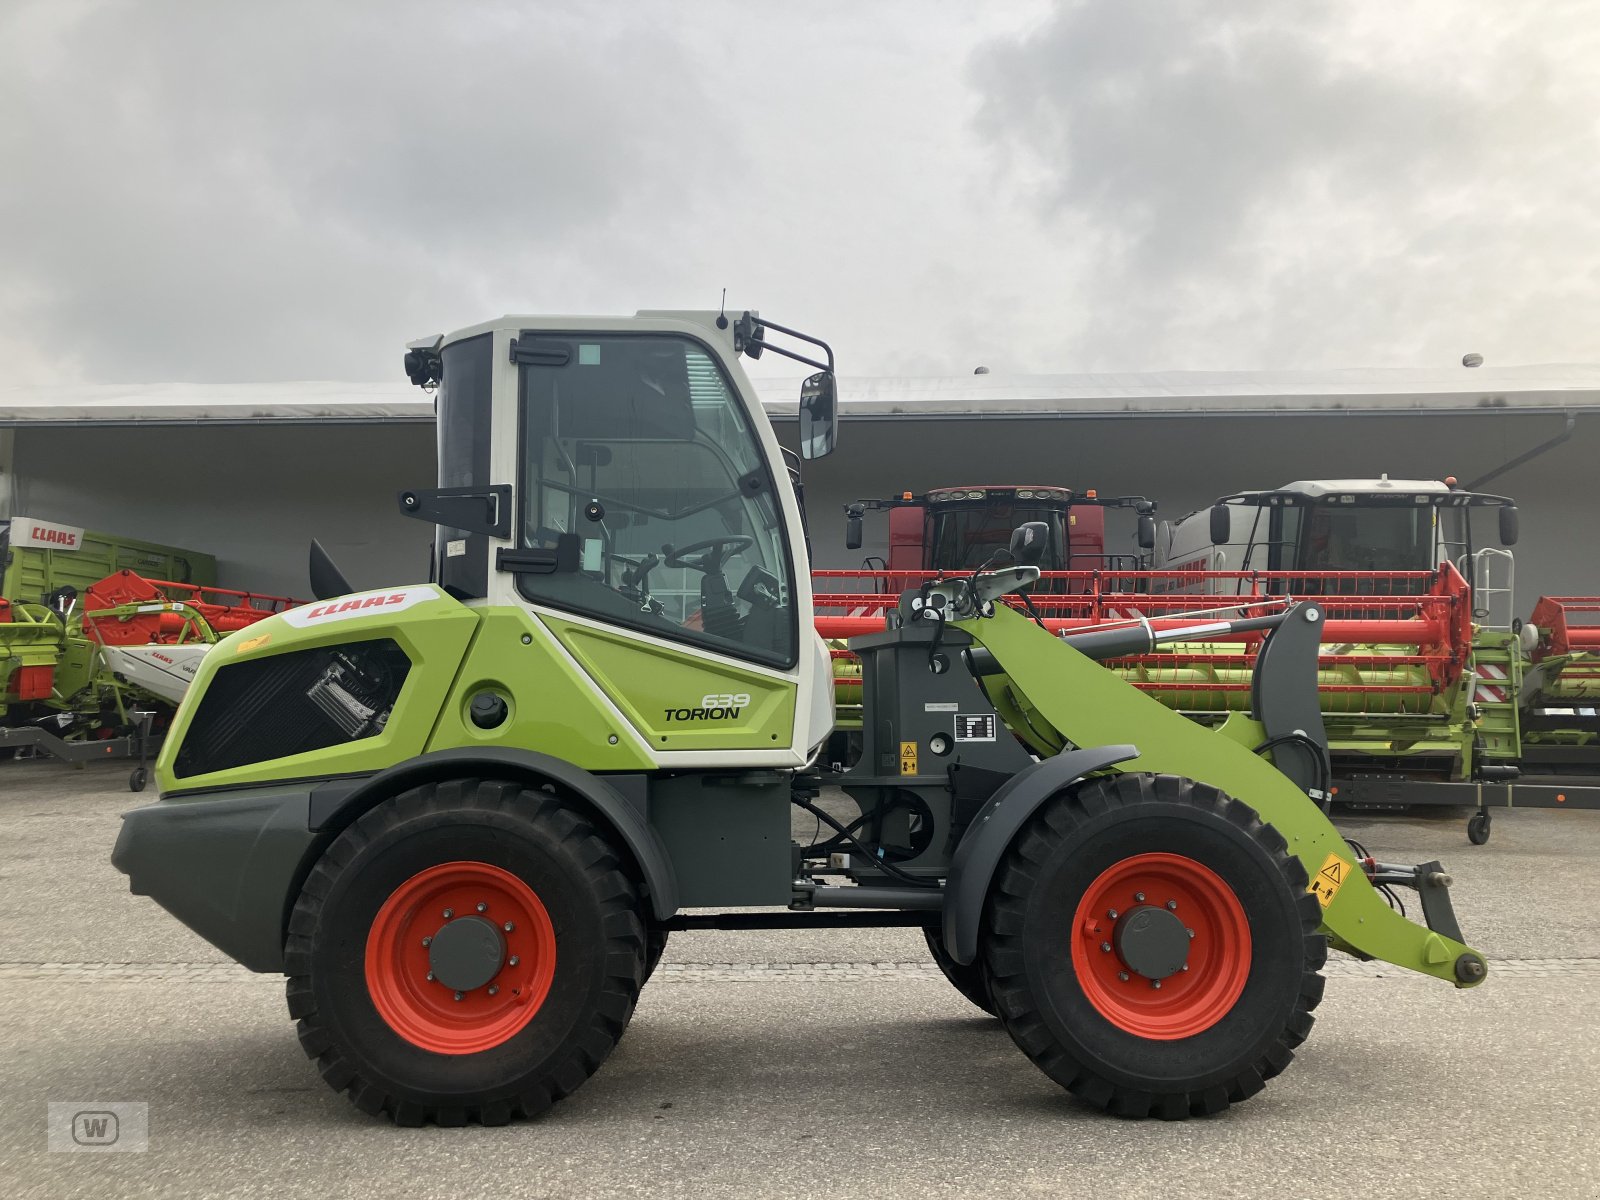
1173,393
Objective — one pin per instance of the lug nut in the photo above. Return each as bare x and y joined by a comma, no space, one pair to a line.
458,995
514,960
494,988
1122,975
482,907
1185,967
1190,932
1139,896
509,926
1172,905
430,976
427,941
1105,947
1111,914
1155,983
448,913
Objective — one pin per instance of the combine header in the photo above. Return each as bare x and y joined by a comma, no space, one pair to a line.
87,664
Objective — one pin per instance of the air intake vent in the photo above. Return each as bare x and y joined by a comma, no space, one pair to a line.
291,703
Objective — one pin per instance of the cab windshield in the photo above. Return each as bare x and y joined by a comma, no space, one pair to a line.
964,538
644,482
1357,537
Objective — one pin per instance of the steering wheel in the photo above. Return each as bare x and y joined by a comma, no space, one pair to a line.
710,561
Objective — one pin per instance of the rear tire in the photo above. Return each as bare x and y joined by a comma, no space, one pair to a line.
655,945
1101,1004
527,1014
968,980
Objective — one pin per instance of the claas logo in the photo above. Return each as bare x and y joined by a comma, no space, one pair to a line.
359,604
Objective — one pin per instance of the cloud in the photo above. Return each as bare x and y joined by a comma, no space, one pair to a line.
208,191
195,191
1270,185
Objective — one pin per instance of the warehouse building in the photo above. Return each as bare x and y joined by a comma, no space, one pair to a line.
250,473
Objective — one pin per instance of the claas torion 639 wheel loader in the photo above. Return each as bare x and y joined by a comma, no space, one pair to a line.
463,816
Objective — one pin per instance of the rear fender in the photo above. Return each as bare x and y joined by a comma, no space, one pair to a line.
618,802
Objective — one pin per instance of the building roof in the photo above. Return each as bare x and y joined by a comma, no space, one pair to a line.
1363,391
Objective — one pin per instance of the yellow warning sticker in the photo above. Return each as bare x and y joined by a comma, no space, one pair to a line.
908,758
254,643
1325,884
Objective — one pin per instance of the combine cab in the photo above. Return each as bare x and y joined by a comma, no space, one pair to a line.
963,528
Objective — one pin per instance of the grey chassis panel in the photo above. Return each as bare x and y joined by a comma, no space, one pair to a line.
227,865
621,801
991,832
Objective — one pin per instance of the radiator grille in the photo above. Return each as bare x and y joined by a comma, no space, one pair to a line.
291,703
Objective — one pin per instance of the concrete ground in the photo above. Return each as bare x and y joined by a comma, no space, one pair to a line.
799,1064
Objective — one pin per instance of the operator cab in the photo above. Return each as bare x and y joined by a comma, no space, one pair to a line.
617,473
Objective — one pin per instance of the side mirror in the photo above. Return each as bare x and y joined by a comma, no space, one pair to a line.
852,528
1147,532
1508,525
1029,542
818,415
1221,524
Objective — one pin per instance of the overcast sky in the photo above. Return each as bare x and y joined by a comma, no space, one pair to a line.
213,191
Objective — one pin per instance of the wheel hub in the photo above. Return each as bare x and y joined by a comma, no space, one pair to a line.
1152,941
460,985
466,953
1160,946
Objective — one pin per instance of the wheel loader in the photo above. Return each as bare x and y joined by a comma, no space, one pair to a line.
462,816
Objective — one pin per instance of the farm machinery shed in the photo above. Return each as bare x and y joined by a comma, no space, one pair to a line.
251,472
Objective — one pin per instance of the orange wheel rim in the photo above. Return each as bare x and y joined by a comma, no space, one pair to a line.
1161,946
460,957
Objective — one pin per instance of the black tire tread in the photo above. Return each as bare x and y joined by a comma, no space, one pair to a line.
969,980
1057,821
611,883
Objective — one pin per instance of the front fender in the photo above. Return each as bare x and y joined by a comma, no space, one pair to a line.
978,856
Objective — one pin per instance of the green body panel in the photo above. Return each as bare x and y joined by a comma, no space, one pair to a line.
434,634
31,573
1062,694
552,707
655,686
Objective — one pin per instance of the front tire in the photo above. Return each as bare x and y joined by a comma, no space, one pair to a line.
467,951
1151,946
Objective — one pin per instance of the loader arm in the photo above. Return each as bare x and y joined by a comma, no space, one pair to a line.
1088,705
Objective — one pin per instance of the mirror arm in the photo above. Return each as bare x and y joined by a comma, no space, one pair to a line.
762,323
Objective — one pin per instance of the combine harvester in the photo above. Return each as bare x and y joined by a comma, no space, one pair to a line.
1506,715
1431,692
92,654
